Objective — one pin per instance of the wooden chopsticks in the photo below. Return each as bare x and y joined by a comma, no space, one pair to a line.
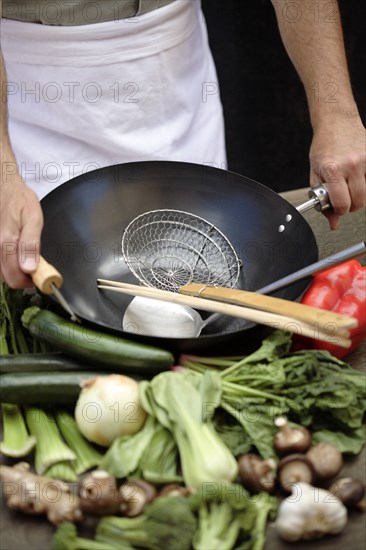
313,329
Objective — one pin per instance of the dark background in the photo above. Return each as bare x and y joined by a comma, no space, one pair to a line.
268,133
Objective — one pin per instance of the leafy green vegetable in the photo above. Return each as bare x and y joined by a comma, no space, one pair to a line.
124,455
185,404
231,432
310,387
150,454
167,522
66,538
159,461
180,408
228,517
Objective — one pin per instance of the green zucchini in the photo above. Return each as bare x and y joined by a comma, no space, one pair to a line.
40,362
46,388
100,348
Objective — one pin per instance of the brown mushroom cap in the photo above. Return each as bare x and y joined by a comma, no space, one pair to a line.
349,491
326,459
295,468
289,440
98,493
136,494
256,474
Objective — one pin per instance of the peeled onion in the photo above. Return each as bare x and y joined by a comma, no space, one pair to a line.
108,407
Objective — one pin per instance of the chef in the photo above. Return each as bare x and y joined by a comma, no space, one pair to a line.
90,84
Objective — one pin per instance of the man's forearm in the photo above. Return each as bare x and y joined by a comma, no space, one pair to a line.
5,143
312,35
9,170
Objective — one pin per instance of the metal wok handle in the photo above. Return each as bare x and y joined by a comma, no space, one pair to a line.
354,251
318,199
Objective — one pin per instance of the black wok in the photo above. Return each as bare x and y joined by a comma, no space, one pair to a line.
85,218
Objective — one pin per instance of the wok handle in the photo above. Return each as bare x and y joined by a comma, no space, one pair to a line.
45,276
355,251
295,310
318,199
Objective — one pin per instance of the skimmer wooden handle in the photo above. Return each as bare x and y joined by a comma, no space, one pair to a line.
45,275
296,310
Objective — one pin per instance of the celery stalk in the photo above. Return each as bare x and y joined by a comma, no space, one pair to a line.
87,456
50,448
17,442
61,470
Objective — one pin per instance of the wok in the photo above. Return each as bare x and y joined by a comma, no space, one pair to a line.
84,220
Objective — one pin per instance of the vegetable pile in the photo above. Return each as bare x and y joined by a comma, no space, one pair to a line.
191,457
311,387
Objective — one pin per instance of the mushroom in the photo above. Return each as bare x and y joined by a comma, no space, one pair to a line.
294,468
99,493
326,459
349,491
135,495
175,490
256,474
290,440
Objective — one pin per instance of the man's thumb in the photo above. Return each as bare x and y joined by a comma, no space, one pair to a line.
29,249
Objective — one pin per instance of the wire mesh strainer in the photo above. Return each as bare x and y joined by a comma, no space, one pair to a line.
167,249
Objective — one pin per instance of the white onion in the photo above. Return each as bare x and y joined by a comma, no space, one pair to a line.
108,407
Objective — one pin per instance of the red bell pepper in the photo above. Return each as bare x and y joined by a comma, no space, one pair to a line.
341,289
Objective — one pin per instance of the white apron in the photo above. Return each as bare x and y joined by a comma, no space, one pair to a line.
84,97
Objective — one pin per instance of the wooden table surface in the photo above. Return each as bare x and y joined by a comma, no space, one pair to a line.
20,532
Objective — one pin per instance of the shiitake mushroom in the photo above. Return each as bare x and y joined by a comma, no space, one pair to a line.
289,440
295,468
98,493
326,459
256,474
349,491
136,494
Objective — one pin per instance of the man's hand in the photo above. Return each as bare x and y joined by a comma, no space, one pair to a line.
21,223
338,158
21,218
315,46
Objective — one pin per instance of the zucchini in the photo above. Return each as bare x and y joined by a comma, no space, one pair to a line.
98,347
40,362
46,388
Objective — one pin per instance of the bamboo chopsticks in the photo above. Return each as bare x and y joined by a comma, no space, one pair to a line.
329,332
